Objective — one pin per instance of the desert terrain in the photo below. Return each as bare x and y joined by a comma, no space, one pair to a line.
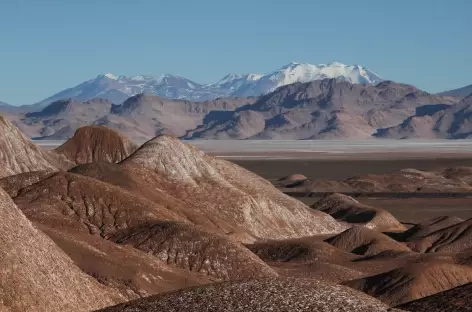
167,225
408,208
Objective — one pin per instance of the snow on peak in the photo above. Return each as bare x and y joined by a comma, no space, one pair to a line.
232,85
111,76
304,72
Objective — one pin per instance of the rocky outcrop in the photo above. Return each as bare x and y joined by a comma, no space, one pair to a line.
96,144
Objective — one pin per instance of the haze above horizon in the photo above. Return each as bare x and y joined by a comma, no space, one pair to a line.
51,45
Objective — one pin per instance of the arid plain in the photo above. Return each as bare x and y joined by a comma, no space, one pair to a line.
101,222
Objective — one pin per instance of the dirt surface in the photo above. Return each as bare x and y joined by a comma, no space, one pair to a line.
276,295
407,210
345,167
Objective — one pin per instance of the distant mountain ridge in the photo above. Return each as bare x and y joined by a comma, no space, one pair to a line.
461,92
119,88
320,109
447,122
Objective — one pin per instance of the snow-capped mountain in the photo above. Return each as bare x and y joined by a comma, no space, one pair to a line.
118,88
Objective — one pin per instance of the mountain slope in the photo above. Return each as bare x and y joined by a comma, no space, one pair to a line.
36,275
18,154
237,201
118,88
451,122
141,117
321,109
461,92
96,144
413,281
458,299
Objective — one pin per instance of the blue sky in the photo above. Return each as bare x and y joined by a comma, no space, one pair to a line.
49,45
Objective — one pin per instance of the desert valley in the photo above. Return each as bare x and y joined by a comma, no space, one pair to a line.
102,223
235,156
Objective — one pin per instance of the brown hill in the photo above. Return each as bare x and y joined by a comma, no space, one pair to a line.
227,197
450,239
130,272
347,209
458,173
14,183
87,204
258,296
449,122
408,180
295,180
367,242
322,109
36,275
413,281
464,257
455,180
428,227
194,249
146,116
18,154
78,211
304,249
458,299
96,144
60,120
308,257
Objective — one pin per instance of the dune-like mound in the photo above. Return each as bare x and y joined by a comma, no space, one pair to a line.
450,239
237,201
464,257
14,183
78,211
293,181
18,154
81,214
367,242
463,174
308,257
453,180
300,250
100,208
458,299
36,275
333,273
153,187
282,294
194,249
408,180
428,227
347,209
414,281
131,272
96,144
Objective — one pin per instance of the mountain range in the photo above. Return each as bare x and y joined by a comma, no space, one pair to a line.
297,101
461,92
119,88
321,109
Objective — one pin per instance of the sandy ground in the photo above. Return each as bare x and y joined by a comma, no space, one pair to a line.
333,160
335,169
407,210
322,149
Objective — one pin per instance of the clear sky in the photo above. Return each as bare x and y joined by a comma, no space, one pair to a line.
49,45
